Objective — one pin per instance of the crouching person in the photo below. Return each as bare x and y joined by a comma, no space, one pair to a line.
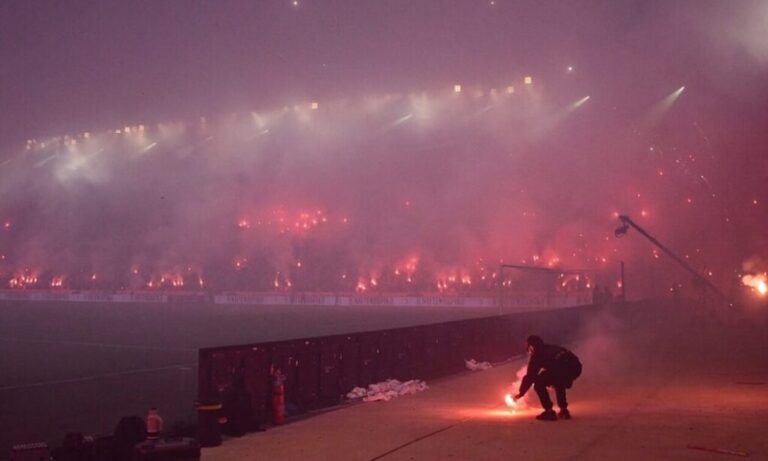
549,366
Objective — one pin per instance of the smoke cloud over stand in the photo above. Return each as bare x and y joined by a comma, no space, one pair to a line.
387,177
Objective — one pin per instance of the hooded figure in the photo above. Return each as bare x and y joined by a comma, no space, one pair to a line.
553,366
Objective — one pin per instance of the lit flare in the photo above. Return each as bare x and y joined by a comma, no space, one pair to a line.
758,282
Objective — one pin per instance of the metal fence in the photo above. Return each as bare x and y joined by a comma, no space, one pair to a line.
320,371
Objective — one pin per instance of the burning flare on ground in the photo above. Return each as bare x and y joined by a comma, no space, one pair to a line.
522,403
758,282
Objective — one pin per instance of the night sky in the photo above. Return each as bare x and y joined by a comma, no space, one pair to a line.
454,186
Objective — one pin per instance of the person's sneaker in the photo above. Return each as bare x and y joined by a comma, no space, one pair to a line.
548,415
564,414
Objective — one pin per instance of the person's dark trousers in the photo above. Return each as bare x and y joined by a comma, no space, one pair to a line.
540,386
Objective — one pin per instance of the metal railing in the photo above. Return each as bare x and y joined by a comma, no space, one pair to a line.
320,371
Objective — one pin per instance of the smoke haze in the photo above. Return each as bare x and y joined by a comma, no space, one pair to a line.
113,179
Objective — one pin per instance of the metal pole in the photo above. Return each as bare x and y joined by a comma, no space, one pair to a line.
627,221
623,285
500,282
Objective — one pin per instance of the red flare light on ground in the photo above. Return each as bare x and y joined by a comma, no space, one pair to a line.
758,282
519,404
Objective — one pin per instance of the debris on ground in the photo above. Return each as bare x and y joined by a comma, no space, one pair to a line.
474,365
387,390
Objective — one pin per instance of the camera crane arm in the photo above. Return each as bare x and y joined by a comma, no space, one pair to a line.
626,223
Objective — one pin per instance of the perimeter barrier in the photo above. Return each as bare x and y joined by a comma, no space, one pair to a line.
320,371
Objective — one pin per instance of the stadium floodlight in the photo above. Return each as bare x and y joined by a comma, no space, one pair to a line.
578,103
510,89
315,105
528,80
665,104
457,88
403,119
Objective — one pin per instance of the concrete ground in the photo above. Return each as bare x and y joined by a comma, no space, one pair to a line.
80,367
657,382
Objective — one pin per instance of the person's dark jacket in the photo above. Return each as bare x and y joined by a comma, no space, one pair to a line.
562,365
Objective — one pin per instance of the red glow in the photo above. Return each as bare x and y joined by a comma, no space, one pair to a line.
23,280
758,282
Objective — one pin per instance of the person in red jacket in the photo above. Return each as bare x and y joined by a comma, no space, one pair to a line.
553,366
